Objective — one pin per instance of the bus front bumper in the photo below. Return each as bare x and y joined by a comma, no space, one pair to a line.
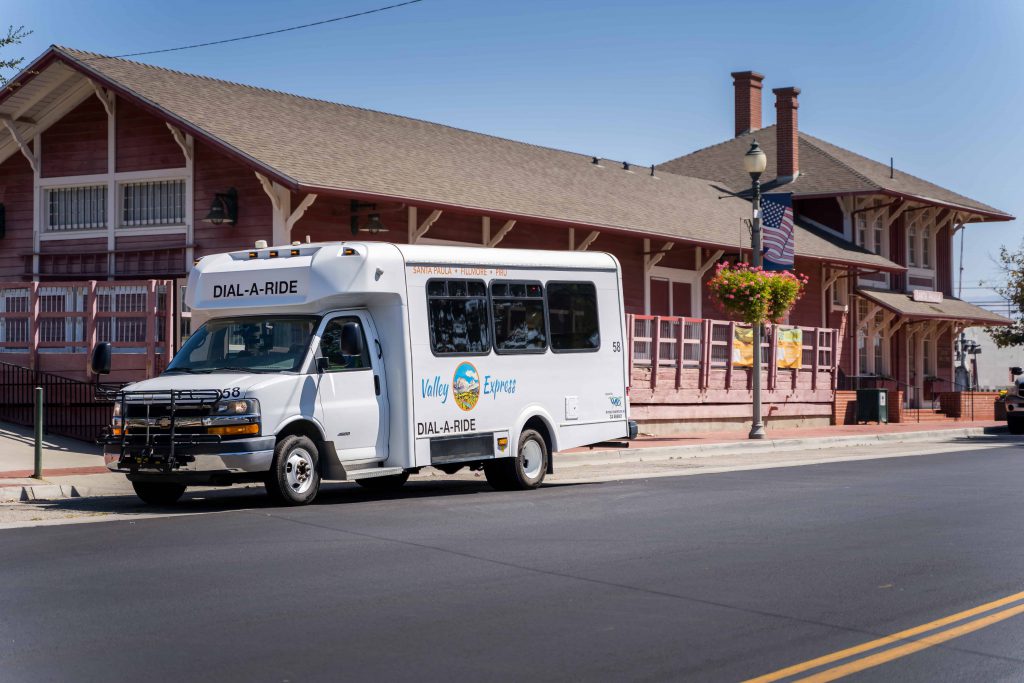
193,461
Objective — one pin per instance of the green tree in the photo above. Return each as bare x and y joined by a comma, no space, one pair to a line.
1012,265
15,34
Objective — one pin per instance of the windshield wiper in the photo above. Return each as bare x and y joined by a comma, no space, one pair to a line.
233,368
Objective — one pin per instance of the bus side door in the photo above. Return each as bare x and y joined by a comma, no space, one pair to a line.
351,397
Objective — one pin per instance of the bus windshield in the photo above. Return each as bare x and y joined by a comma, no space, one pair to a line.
249,344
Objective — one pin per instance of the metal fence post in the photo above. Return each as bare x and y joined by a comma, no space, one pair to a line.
37,471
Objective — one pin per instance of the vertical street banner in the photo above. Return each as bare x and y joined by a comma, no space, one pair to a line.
777,230
789,348
743,347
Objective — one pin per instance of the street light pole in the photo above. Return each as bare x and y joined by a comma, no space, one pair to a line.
754,163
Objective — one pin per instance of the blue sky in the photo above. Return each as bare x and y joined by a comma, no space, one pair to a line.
935,84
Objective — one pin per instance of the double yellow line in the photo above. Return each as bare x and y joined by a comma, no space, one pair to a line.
908,643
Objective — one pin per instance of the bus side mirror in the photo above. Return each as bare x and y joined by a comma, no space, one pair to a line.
322,364
1016,371
100,361
351,339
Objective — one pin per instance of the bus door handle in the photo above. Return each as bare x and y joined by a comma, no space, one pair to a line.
376,384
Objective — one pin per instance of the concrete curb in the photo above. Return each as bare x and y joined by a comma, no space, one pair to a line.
618,455
31,492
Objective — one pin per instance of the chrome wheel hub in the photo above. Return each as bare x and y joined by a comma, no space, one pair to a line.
298,470
532,456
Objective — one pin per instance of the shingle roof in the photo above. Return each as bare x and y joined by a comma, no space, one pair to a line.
951,308
326,146
824,169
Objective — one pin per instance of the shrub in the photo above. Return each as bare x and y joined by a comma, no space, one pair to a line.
755,295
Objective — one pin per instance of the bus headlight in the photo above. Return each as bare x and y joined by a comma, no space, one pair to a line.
243,406
116,422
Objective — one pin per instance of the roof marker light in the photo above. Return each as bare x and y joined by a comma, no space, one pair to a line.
273,254
296,252
347,251
253,254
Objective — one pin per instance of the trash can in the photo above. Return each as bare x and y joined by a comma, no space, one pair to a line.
872,406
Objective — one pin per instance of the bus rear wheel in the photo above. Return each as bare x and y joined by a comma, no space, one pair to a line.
526,470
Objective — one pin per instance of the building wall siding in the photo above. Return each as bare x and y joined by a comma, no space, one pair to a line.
16,196
824,210
77,144
214,172
144,143
944,261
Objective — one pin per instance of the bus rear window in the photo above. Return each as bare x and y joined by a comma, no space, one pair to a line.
572,312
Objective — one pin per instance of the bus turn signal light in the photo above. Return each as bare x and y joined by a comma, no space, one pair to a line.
235,430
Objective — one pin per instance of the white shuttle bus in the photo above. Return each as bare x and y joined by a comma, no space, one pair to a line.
368,361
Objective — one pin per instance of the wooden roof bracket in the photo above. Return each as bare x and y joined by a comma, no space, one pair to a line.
184,141
710,262
505,230
29,154
105,96
415,233
588,240
655,258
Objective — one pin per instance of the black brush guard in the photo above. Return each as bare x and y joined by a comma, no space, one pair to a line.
158,449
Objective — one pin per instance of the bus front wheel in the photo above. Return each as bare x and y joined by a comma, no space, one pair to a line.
294,477
523,472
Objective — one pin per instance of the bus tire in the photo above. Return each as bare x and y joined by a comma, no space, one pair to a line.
523,472
294,477
1016,425
158,493
391,482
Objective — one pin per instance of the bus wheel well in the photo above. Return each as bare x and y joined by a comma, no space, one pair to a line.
537,424
301,428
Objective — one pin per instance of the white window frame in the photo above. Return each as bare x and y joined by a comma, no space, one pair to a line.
912,248
168,228
673,275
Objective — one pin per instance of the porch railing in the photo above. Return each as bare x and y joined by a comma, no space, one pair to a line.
43,319
676,354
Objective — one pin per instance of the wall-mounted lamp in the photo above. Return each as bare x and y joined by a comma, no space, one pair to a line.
373,224
224,208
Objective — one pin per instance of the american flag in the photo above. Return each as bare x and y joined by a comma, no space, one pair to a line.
777,230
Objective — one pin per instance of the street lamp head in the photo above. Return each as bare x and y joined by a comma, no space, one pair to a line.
755,161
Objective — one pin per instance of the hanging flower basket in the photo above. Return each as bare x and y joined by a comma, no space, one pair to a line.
755,295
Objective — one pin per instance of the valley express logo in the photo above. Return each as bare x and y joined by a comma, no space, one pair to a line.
466,386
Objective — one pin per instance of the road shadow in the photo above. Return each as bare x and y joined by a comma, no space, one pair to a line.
254,498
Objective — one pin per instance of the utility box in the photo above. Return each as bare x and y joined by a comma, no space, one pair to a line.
872,405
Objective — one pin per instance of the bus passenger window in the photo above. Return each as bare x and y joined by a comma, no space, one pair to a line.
457,315
519,325
572,312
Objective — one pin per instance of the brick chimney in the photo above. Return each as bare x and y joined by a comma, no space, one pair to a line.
787,146
748,100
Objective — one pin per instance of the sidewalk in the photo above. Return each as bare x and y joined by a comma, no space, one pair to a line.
75,469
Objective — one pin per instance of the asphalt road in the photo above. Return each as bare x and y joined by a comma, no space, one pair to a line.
717,577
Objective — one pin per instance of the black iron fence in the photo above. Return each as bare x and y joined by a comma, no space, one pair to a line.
71,407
